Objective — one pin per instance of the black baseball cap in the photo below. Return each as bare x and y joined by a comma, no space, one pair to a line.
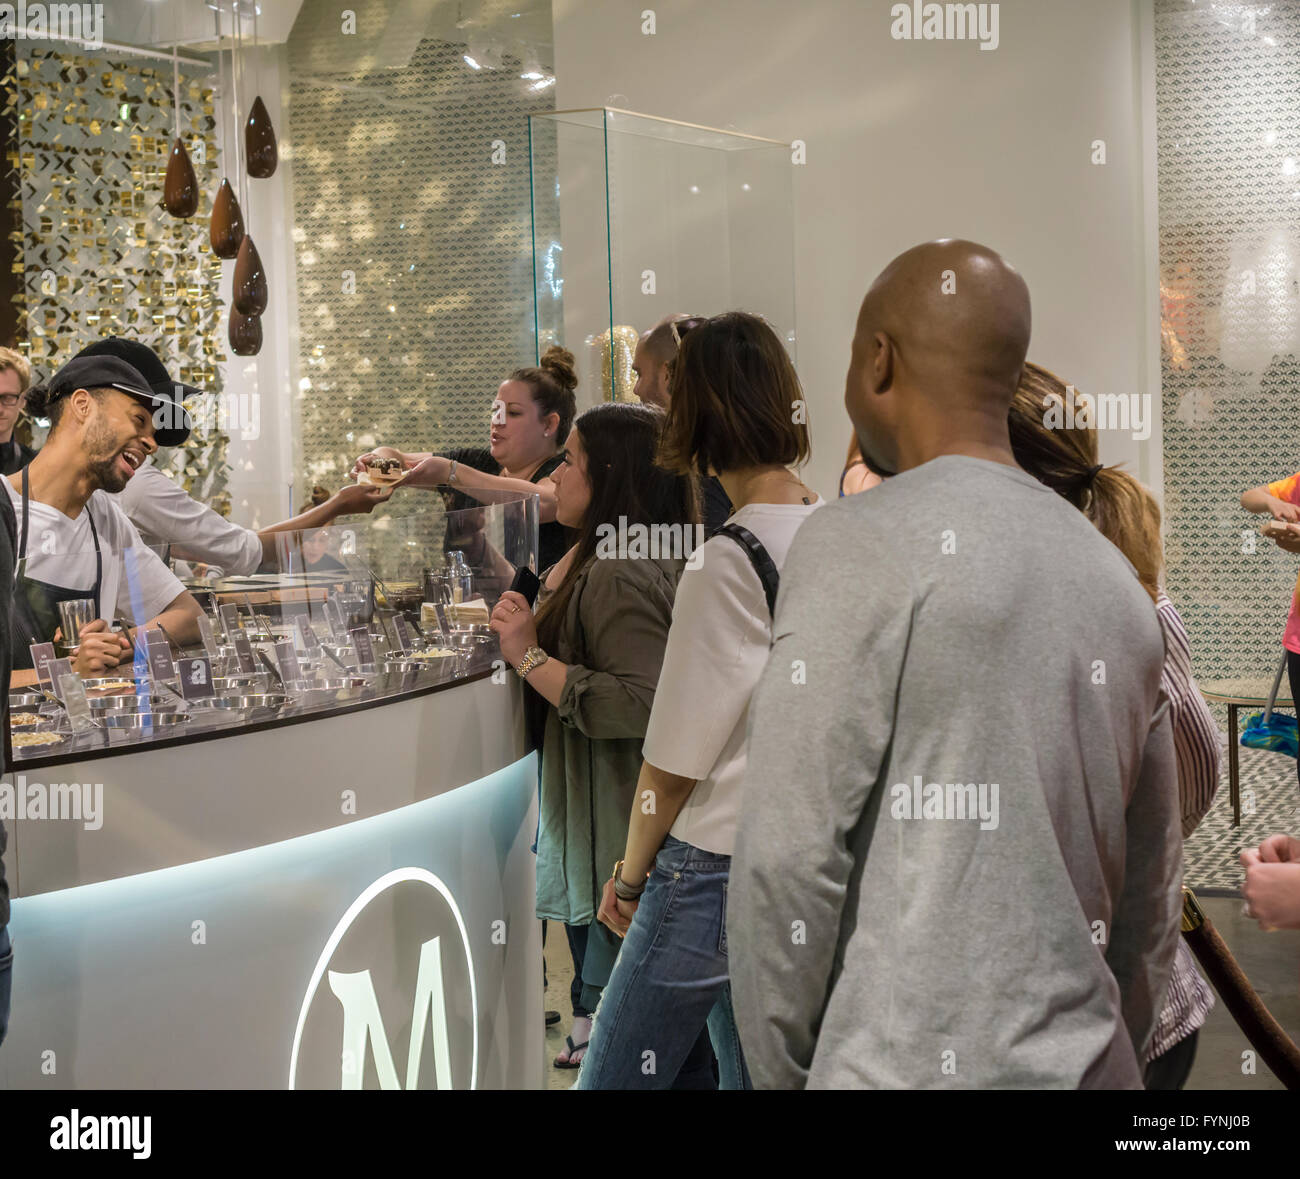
171,421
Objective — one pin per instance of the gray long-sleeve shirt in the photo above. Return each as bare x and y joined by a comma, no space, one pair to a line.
958,861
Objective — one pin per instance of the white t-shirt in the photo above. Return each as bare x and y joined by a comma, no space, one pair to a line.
164,513
135,585
717,649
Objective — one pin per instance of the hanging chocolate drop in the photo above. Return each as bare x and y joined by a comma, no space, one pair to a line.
181,186
260,151
226,229
245,333
248,292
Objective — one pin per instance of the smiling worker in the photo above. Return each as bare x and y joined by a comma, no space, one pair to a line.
72,536
164,513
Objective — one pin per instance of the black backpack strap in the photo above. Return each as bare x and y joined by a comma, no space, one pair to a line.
759,557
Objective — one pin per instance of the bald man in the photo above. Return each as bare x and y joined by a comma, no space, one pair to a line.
958,861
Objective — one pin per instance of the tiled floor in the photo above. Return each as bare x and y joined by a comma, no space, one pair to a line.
1272,963
559,973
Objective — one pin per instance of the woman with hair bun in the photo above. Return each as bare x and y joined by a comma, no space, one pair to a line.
532,413
1124,512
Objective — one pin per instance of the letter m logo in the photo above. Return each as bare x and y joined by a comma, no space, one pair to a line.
363,1024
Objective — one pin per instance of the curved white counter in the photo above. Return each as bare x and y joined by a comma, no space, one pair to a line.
340,899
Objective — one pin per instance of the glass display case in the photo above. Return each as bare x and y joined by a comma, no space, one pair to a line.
342,616
636,218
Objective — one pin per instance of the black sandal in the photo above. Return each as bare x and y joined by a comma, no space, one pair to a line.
571,1063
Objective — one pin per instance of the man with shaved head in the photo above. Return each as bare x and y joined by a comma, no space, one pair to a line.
958,861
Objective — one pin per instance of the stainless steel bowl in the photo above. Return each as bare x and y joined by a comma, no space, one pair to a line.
215,704
467,638
406,666
25,701
327,685
131,702
139,721
241,681
102,682
258,700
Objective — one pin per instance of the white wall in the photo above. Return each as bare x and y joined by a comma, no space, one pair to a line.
912,140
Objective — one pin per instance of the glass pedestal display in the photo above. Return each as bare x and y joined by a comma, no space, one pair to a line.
636,218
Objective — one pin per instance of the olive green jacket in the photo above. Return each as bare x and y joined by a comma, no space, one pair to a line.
613,636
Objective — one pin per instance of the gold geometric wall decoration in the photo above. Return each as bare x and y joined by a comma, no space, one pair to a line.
98,253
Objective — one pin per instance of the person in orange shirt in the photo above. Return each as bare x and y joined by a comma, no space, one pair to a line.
1281,500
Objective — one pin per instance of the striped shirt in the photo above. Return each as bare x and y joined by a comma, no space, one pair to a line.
1196,746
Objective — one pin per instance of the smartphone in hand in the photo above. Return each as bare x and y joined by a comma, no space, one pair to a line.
527,583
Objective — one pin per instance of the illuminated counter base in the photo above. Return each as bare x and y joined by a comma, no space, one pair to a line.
230,925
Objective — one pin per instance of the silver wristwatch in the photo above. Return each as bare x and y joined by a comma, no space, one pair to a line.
533,657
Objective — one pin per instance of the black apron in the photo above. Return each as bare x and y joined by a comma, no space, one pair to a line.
35,615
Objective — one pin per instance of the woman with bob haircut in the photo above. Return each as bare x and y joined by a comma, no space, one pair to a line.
733,412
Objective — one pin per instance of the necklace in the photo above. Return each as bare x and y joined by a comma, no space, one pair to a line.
787,477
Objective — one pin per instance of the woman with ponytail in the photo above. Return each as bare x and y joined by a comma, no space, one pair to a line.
1065,459
532,412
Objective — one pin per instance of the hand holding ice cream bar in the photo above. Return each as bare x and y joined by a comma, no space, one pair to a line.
382,472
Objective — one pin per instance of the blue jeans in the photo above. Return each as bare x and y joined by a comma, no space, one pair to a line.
6,978
669,982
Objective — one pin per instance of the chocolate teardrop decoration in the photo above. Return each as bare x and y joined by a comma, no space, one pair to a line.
226,229
260,152
181,186
245,333
248,292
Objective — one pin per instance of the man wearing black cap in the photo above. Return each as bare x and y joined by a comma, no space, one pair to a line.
73,539
164,514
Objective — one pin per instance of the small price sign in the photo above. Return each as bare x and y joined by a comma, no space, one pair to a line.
196,678
244,652
361,644
58,669
42,657
208,635
310,642
402,633
73,694
334,616
160,656
288,660
230,623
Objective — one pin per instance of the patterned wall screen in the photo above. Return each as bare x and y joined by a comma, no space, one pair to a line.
99,254
412,234
1228,132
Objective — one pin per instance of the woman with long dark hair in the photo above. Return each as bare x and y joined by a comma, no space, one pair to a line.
1124,512
593,652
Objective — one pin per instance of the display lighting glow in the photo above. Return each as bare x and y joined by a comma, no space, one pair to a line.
543,84
549,268
469,61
